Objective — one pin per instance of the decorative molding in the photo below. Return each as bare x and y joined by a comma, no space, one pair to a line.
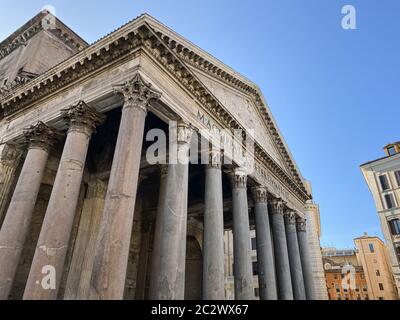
82,117
137,93
301,224
41,136
276,206
260,194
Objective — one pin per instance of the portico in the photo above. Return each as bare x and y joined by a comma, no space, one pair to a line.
90,217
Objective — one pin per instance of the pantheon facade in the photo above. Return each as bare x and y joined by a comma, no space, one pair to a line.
85,215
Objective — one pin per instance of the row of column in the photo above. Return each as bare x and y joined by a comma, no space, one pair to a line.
282,253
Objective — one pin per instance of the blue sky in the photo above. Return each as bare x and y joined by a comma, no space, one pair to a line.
333,92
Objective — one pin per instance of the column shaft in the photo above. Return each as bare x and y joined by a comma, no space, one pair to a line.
170,280
19,214
243,272
156,253
296,270
305,259
112,251
282,268
213,242
48,262
265,253
9,160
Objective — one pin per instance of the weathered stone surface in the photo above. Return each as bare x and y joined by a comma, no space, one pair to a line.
241,238
54,237
296,270
213,243
282,267
305,259
18,218
265,253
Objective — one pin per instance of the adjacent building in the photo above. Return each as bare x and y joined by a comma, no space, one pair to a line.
362,273
373,256
383,178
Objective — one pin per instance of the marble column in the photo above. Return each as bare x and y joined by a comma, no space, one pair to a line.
112,251
265,251
19,214
243,271
305,258
282,267
296,270
48,262
213,240
156,253
172,227
9,160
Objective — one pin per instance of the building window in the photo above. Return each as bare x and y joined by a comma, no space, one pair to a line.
381,298
357,288
397,175
365,288
371,248
255,268
366,297
389,201
394,226
380,286
384,182
256,292
358,297
391,151
253,244
378,274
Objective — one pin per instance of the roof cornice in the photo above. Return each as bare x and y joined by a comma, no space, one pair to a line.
123,41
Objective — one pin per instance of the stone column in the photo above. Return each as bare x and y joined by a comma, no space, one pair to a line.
243,273
19,214
80,271
305,258
296,270
170,279
48,262
282,268
265,251
155,256
9,160
112,251
213,241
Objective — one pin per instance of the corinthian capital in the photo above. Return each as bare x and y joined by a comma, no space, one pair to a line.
301,224
41,136
137,93
82,117
290,217
260,194
239,178
214,158
184,132
277,206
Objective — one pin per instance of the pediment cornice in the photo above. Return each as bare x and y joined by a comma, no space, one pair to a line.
139,35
